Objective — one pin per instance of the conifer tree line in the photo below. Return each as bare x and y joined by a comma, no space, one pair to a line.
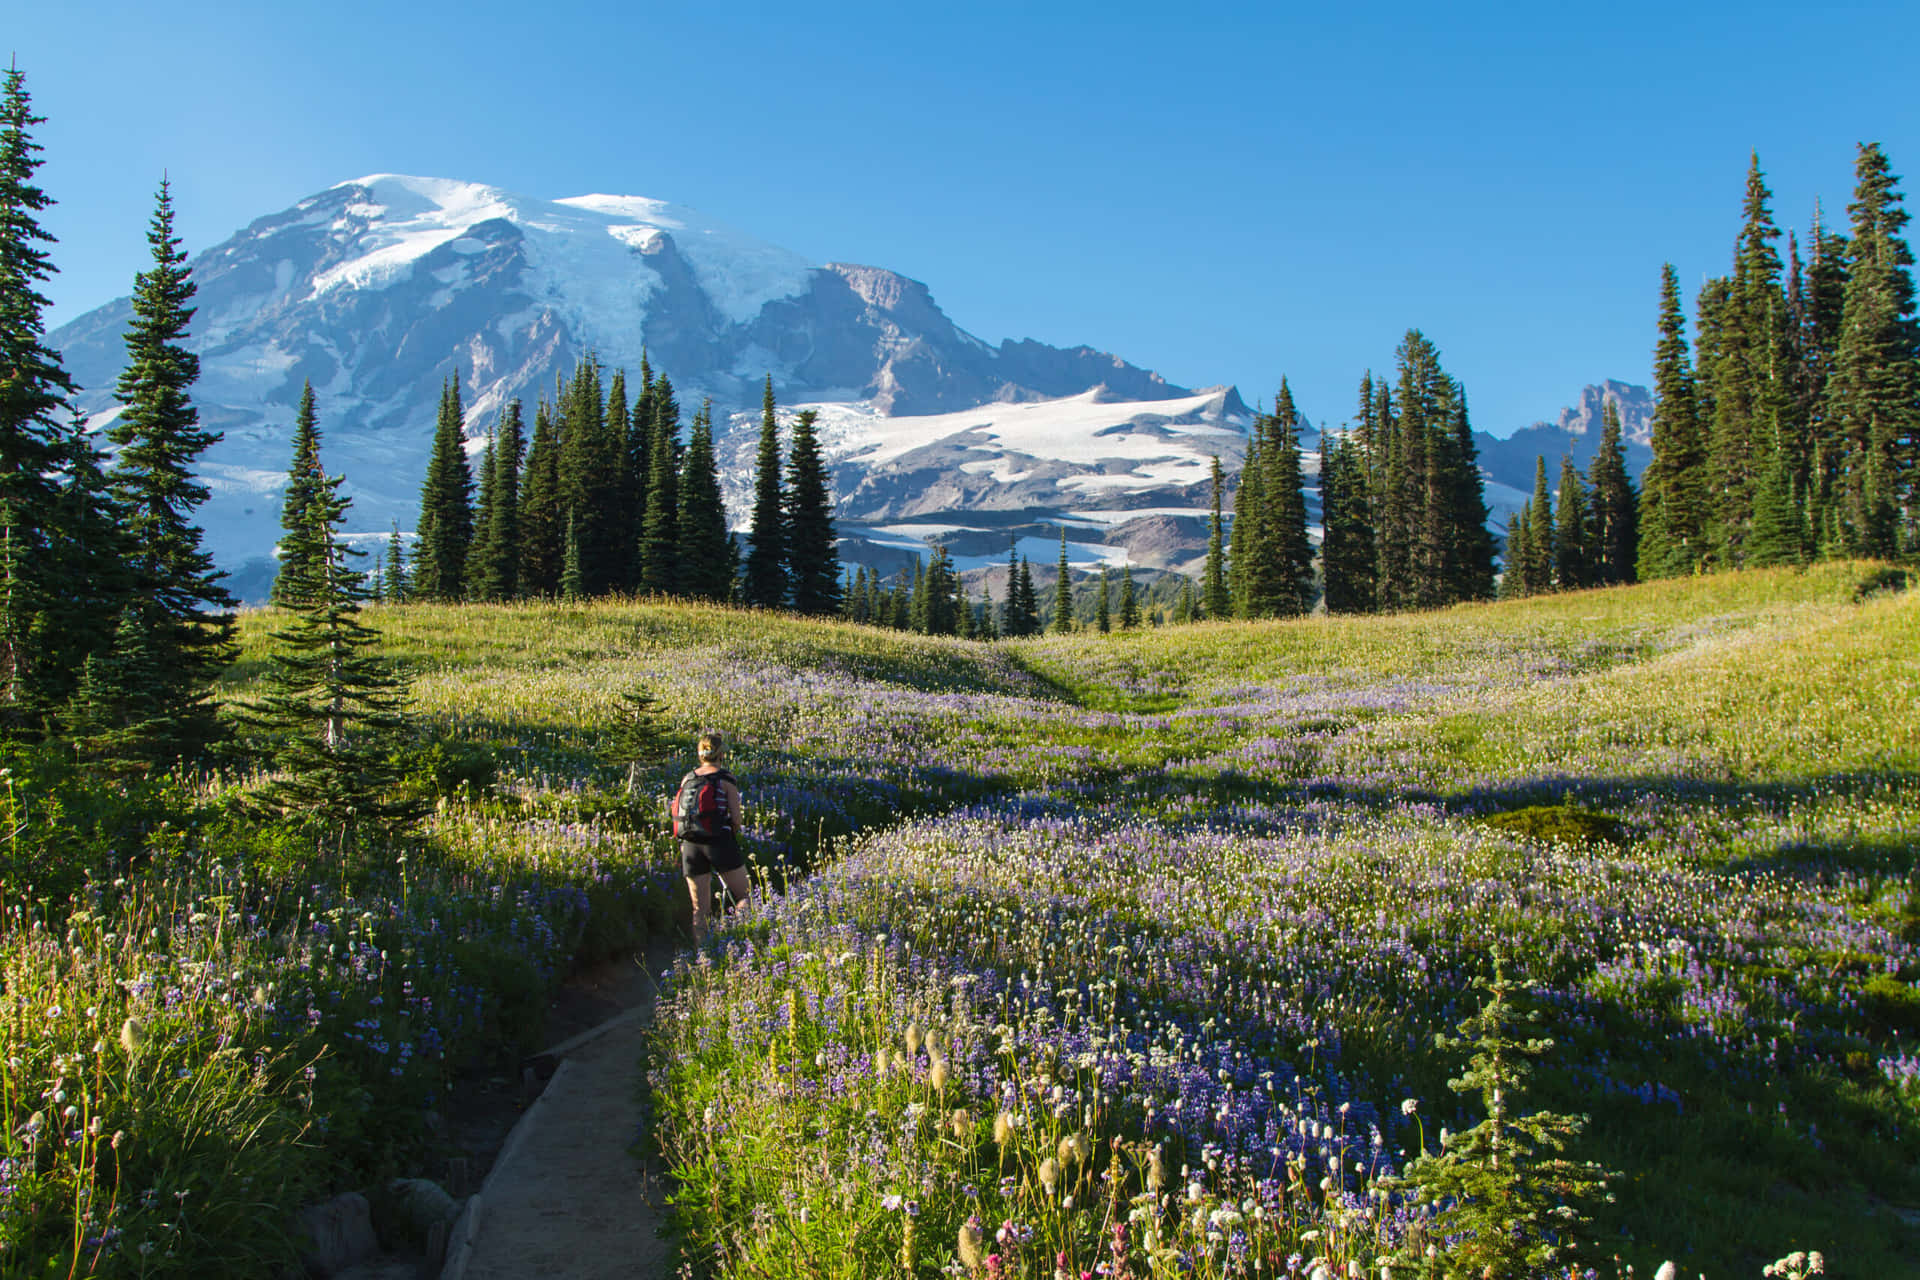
606,498
1586,532
1789,431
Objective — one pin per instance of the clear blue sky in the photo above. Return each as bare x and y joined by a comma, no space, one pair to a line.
1220,192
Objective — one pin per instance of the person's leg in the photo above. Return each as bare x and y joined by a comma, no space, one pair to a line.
700,889
737,885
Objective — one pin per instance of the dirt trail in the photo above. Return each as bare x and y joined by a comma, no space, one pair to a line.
566,1198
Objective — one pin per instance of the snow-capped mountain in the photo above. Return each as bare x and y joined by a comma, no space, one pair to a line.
380,288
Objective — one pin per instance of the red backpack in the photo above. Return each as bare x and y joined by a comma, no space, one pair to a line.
701,814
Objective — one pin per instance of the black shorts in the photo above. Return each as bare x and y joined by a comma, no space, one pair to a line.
701,859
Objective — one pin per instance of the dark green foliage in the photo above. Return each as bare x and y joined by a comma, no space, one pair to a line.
1347,542
706,550
1215,600
1572,551
176,600
1247,558
1103,615
573,579
1185,608
589,472
765,585
812,550
1286,517
332,709
1776,534
1616,506
1506,1201
1129,602
659,556
1515,583
543,521
394,589
936,597
1063,580
639,742
299,547
1558,824
494,569
446,506
1543,543
1674,498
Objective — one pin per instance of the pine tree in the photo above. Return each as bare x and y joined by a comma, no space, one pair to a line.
543,522
636,467
1543,538
1129,602
706,561
1467,570
812,550
1290,548
589,471
478,550
1103,616
1673,507
183,613
1029,600
1872,402
1346,541
33,386
616,490
1215,601
1516,582
333,706
306,488
394,589
496,572
1572,558
446,506
1248,564
573,578
766,570
1063,579
1775,536
1616,528
659,553
1183,608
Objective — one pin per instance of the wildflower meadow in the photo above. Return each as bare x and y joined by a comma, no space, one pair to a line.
1560,935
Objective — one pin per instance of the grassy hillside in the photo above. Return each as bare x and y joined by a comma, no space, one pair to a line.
1193,897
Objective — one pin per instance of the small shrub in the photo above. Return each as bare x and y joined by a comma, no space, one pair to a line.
1881,582
1558,824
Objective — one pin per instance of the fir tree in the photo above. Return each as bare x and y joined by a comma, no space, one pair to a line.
1216,601
394,589
299,547
495,572
1184,606
1063,579
812,550
1872,402
1103,616
1616,528
1346,540
766,569
332,705
1129,602
638,743
33,386
177,601
446,506
1572,559
1775,537
706,550
1543,541
1291,551
477,549
589,472
1673,510
636,467
1029,600
659,558
1517,583
573,579
543,522
1247,560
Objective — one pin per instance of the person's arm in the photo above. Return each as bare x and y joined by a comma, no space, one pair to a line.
739,808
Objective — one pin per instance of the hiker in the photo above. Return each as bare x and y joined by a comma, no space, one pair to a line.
708,817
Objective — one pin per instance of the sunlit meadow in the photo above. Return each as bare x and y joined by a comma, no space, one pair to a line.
1114,956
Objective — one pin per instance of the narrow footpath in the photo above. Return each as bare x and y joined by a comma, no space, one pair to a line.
566,1198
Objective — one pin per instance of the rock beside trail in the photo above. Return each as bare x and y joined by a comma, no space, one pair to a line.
341,1235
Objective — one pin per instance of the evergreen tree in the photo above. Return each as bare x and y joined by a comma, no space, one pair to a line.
1248,564
1129,602
706,550
543,522
33,386
1103,616
1775,536
1216,602
1543,539
1029,600
1872,402
573,578
1616,529
636,468
1183,608
1673,506
496,572
659,558
332,705
395,586
766,581
1466,572
306,488
446,506
1291,551
1516,583
177,603
1346,540
1063,580
477,549
589,471
985,630
812,550
622,532
1572,559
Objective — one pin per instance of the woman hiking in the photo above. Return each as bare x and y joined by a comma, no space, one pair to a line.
708,817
